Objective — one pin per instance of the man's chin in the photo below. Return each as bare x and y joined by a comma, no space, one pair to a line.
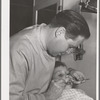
52,54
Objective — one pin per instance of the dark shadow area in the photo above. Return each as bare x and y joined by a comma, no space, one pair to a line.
21,15
46,14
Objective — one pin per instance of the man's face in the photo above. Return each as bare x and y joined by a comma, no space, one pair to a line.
61,46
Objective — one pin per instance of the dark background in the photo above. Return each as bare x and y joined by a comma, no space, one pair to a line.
21,15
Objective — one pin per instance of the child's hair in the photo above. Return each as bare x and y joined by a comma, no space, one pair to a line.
59,63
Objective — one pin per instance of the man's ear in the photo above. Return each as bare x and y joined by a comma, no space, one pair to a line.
61,31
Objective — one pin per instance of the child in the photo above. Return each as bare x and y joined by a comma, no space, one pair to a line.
67,76
64,78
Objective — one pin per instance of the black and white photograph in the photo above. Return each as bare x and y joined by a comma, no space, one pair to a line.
50,50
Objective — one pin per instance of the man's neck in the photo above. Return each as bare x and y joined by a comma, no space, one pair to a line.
45,35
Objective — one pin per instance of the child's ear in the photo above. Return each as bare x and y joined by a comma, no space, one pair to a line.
61,31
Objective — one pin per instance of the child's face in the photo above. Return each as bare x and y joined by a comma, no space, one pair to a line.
60,73
61,77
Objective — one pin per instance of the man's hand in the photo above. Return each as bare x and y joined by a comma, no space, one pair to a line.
77,76
54,91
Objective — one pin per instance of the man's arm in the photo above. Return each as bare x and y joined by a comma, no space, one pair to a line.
54,91
78,77
18,76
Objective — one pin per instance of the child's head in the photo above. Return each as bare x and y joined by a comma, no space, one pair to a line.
60,71
61,74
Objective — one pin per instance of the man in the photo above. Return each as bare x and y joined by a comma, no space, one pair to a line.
33,51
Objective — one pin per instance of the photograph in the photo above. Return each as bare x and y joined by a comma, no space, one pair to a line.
50,50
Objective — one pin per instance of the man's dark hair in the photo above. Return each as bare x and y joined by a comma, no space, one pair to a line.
73,22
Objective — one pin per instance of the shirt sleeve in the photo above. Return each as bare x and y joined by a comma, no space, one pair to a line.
18,76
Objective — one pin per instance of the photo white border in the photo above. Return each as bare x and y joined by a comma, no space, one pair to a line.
5,19
5,29
97,57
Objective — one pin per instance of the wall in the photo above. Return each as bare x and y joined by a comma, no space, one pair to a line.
88,64
21,15
44,3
